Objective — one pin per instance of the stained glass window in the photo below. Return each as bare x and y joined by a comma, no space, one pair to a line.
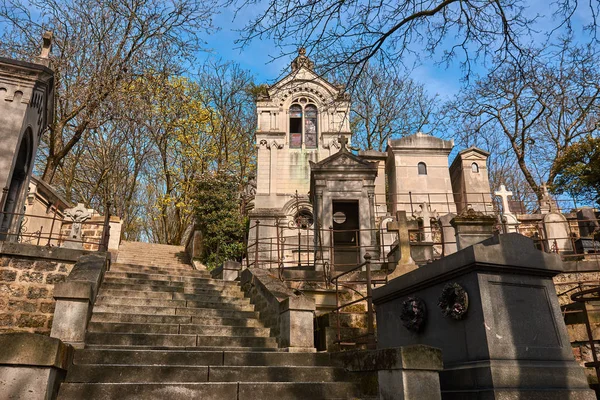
310,126
295,126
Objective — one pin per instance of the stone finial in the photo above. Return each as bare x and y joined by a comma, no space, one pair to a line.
343,140
43,58
302,60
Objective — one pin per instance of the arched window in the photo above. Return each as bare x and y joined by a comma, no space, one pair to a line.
422,168
303,124
474,168
296,126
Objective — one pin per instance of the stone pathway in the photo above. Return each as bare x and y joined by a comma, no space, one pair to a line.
161,329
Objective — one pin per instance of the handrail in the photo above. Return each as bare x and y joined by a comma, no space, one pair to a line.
370,335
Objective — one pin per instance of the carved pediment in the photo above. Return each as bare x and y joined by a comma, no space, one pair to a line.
343,158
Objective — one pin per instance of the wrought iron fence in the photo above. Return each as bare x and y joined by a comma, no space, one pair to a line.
53,237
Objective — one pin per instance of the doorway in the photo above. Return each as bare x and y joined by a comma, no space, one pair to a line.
346,234
16,187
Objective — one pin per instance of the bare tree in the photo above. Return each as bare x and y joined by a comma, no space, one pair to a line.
386,105
532,110
98,46
353,32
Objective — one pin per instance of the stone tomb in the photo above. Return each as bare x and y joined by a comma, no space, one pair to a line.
557,232
343,197
505,339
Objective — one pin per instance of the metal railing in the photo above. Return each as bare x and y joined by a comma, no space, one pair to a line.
355,282
585,296
54,237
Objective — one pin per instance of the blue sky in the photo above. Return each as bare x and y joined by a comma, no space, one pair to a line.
438,79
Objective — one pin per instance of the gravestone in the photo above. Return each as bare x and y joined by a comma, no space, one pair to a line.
558,233
472,227
493,311
448,234
587,221
78,215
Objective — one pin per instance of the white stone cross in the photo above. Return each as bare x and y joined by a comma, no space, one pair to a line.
426,215
504,194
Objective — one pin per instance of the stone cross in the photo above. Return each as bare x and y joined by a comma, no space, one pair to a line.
426,215
546,204
503,193
401,226
78,215
343,141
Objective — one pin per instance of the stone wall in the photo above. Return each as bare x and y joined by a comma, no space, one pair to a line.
26,293
27,277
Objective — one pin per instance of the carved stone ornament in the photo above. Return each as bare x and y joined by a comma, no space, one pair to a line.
454,301
413,314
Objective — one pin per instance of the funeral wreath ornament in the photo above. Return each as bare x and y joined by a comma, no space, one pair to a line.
454,301
413,314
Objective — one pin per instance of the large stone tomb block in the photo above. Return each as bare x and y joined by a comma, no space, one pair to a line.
510,344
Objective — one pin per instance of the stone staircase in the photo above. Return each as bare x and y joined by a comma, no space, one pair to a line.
160,329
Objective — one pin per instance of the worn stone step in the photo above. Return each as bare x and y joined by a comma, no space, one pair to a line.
210,391
195,357
168,278
229,291
231,303
210,296
155,391
182,270
137,374
183,348
173,319
211,284
179,340
151,310
216,330
173,329
170,374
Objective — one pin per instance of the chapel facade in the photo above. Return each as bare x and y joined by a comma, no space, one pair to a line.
317,200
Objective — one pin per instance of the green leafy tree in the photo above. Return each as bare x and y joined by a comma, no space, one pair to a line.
580,170
219,219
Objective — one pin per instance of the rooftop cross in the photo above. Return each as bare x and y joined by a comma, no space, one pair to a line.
343,141
503,193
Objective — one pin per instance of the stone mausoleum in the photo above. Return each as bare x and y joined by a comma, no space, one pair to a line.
316,197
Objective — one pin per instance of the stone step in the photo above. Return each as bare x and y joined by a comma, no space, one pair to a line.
168,278
227,290
184,348
150,310
219,303
304,275
195,357
160,270
180,340
196,284
189,373
173,319
173,329
210,296
210,391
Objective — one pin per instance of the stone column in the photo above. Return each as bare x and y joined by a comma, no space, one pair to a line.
296,324
273,146
404,373
74,301
32,366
